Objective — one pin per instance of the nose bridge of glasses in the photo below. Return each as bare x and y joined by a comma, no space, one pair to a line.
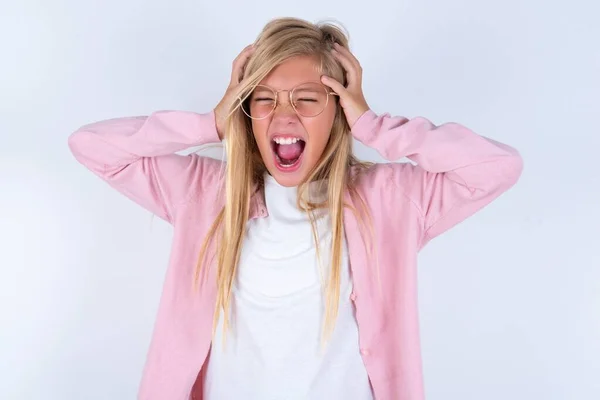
286,94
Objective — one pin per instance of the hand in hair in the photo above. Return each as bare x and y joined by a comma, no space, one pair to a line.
237,72
352,98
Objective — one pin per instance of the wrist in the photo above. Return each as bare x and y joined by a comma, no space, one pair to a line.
218,123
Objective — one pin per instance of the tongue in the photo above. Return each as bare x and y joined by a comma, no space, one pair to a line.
289,151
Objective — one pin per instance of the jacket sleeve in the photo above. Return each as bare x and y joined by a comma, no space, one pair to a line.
136,156
457,171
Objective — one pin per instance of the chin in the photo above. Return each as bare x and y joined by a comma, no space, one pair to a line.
288,179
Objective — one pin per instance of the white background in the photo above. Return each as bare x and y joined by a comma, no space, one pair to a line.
509,299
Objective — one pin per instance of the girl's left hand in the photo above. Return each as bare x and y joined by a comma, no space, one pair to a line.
352,98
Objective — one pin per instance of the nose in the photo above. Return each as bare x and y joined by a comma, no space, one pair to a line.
283,107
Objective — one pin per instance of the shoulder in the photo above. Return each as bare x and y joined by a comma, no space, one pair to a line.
212,168
401,175
207,178
388,184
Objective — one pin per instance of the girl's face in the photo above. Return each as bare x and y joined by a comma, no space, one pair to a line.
290,142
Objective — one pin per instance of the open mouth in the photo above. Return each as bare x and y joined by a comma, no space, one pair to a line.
288,151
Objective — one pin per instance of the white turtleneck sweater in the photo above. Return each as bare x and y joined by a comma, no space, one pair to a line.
273,350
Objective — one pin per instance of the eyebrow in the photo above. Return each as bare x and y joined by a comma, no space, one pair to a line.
289,87
303,90
262,91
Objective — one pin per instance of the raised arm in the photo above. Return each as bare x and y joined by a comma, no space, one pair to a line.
136,156
458,172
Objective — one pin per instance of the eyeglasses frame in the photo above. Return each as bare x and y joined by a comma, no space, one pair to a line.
290,93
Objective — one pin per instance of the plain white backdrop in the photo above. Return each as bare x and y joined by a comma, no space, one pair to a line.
509,299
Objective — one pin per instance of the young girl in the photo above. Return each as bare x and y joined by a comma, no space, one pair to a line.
293,268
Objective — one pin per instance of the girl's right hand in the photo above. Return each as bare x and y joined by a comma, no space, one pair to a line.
237,74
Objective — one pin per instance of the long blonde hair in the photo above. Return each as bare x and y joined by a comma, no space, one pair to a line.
280,40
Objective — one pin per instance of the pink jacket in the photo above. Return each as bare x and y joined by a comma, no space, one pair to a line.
458,172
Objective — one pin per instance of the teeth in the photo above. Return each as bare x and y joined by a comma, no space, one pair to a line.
285,140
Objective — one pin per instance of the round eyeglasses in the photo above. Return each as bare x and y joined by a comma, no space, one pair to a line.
307,99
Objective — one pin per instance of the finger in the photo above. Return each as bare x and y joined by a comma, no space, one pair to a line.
334,85
237,70
244,51
348,54
351,71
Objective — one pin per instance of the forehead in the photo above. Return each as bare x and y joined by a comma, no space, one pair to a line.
292,72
